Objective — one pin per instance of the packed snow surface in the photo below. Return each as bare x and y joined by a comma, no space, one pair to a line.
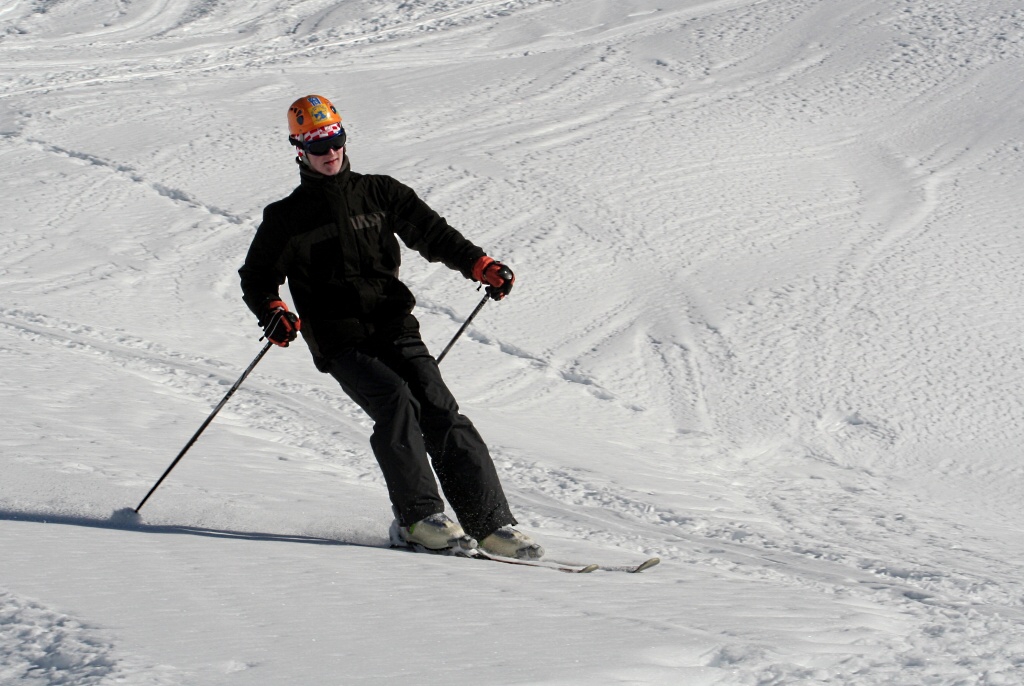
767,325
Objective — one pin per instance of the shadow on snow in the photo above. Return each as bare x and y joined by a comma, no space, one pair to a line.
122,525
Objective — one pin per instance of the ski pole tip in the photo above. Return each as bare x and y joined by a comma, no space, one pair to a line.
126,516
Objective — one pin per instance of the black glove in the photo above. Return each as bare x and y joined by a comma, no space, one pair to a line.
280,326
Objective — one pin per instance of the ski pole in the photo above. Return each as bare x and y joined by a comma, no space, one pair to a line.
463,328
205,424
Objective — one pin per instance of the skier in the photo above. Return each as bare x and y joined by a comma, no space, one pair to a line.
334,240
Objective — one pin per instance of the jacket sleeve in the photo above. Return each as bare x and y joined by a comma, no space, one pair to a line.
266,264
426,232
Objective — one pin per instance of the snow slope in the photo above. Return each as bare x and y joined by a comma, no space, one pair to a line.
767,326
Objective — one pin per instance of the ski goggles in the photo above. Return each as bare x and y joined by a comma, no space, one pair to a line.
323,146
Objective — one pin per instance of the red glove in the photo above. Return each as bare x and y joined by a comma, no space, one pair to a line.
498,277
280,326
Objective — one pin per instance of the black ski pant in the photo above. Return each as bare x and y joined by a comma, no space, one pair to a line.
398,384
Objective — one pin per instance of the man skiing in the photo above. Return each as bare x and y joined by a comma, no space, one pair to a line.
334,240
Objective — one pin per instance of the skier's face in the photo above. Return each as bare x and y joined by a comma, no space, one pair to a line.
328,164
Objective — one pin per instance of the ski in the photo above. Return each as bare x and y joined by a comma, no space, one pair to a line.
572,567
477,554
567,567
547,564
634,569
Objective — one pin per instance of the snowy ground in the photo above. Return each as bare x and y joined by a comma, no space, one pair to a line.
767,326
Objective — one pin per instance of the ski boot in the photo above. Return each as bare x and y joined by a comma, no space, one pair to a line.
509,542
436,534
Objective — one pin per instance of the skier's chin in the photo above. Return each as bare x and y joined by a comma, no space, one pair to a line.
327,167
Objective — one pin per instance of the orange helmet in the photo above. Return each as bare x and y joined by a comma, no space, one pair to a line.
311,118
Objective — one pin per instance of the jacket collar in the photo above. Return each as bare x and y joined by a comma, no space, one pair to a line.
314,179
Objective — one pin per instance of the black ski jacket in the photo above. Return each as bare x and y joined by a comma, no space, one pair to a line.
334,240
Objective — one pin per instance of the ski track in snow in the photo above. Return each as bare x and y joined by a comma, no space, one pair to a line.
773,250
